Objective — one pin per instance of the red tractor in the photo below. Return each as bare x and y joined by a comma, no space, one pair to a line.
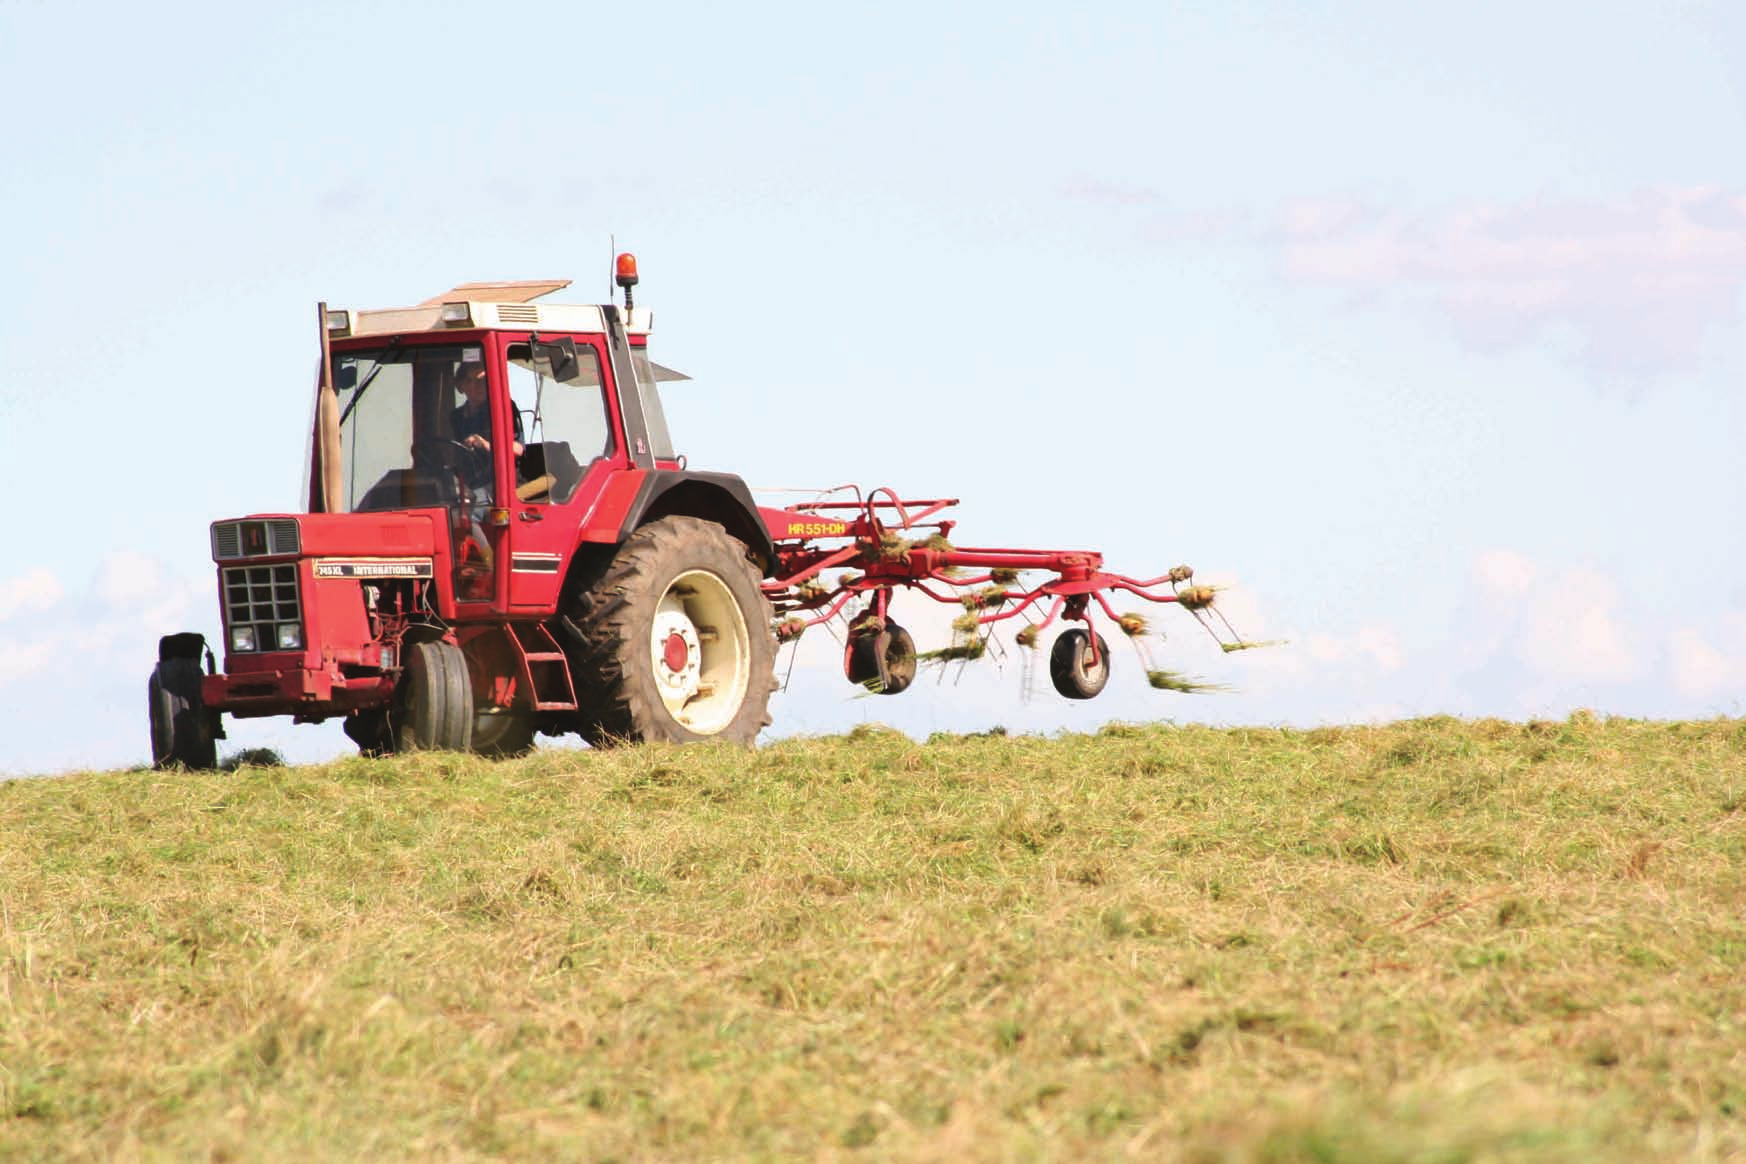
501,540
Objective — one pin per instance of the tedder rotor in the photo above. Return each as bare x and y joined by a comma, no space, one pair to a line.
842,557
500,540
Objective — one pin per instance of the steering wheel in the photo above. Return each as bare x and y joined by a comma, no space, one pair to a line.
461,462
442,453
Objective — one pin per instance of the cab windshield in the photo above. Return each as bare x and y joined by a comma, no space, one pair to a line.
406,412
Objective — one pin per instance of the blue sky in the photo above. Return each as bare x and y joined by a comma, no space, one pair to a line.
1419,329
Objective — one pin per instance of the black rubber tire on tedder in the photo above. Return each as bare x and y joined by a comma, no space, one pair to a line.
1071,669
895,648
672,640
433,707
181,729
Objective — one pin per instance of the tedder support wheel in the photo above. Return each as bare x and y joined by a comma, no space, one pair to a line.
1071,668
894,648
434,702
181,729
672,641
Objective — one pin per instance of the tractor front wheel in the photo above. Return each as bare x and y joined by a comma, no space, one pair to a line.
503,733
434,701
500,732
1073,671
181,729
672,640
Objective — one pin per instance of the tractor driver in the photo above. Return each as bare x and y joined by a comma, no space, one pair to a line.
471,425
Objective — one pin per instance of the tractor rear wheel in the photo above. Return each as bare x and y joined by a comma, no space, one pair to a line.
883,663
181,729
672,640
434,702
1072,670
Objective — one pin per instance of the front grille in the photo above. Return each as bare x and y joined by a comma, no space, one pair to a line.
282,537
255,539
261,597
226,541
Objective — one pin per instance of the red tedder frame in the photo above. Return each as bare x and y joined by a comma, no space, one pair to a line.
880,530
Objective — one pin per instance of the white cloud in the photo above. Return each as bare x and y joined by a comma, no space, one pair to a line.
1324,660
1381,645
1698,668
1570,628
36,591
114,622
1503,573
1708,664
1640,279
18,660
1376,646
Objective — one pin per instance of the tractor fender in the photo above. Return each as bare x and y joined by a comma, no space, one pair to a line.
642,496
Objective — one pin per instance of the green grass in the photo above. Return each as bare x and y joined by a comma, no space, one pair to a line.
1431,942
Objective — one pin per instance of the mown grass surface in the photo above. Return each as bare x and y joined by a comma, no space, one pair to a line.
1428,942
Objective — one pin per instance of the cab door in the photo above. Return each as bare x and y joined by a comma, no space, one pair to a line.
567,427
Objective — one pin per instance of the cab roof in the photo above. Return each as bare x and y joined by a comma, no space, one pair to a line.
503,304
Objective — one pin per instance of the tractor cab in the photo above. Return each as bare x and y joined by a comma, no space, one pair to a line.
495,410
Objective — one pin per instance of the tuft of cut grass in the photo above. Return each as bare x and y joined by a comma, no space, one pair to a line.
1197,597
1433,940
1175,681
988,598
964,651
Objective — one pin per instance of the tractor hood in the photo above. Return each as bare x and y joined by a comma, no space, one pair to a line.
374,536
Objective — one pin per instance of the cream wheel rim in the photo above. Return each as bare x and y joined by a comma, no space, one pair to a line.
700,652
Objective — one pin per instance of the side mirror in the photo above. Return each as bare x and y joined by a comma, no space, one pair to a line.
345,377
560,356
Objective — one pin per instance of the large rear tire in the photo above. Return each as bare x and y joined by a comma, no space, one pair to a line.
434,702
181,728
672,641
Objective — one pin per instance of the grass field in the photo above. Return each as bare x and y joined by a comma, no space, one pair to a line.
1433,941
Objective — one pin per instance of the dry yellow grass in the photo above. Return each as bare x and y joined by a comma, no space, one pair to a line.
1431,941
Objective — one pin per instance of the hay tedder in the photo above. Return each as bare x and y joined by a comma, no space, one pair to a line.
500,540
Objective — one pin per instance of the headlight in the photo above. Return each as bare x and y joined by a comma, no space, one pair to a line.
290,636
242,638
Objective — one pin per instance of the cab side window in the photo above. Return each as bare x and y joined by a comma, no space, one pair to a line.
566,422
